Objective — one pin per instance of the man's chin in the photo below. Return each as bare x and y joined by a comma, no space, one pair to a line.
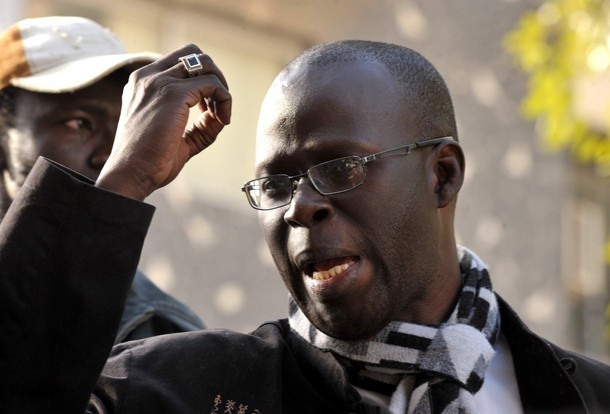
347,331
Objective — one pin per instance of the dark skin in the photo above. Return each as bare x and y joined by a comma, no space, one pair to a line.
152,142
391,240
74,129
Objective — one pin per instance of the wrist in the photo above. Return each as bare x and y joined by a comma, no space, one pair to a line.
126,184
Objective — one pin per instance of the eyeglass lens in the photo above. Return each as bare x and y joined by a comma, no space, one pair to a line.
338,175
330,177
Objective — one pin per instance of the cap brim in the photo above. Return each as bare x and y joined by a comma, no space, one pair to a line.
79,74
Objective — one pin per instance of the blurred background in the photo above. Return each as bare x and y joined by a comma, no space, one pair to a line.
530,82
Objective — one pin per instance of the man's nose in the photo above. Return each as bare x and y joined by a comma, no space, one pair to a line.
308,206
103,146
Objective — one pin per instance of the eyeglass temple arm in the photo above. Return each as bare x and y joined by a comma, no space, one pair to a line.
407,148
433,141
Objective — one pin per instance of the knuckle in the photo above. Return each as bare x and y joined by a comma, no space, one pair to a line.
137,75
205,59
192,47
158,84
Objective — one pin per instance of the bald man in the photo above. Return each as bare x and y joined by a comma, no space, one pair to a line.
358,168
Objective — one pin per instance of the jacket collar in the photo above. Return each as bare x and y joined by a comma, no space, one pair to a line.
544,383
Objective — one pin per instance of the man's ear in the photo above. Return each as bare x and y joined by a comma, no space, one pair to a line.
449,171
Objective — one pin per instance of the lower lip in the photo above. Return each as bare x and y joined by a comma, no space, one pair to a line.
336,286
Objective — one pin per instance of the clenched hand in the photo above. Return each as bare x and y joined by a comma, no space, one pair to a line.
152,144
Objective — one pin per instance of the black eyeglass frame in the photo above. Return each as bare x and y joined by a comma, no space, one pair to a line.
364,160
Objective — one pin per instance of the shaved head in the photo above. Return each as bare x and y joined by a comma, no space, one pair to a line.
425,93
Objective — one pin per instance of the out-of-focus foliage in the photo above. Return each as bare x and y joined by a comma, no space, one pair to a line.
560,44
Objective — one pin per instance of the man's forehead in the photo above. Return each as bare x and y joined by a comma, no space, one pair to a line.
340,100
296,90
282,156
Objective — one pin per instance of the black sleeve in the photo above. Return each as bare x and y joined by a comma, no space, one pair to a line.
68,253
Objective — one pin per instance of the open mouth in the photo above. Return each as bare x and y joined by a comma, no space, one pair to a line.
327,269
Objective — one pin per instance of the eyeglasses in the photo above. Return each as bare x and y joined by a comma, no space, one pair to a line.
328,178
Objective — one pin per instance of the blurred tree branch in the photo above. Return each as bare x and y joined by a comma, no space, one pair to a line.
564,46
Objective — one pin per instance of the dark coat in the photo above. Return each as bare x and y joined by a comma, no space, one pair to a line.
275,371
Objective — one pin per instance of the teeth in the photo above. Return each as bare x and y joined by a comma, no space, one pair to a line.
327,274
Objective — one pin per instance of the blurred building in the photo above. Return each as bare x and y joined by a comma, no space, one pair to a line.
518,203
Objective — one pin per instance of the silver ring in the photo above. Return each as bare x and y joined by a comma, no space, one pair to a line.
192,64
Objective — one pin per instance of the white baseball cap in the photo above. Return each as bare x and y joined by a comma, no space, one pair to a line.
62,54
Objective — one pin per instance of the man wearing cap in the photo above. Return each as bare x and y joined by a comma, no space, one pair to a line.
61,81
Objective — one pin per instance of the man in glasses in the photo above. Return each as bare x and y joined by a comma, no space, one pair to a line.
358,168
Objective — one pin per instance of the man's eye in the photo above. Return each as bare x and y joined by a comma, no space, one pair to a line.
344,166
274,186
79,124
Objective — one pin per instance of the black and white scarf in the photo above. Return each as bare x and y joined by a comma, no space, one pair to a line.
424,368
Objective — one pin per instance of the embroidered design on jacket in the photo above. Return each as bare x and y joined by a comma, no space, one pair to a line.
231,407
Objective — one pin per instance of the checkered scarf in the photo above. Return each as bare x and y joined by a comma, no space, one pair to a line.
423,368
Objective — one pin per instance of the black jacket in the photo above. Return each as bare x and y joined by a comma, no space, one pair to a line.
51,356
275,371
552,379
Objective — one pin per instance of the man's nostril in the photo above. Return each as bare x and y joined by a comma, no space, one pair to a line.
320,215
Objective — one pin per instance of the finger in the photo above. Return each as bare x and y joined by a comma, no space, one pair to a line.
218,105
208,90
170,60
202,133
210,94
208,68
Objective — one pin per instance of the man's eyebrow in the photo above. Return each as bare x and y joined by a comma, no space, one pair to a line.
92,107
271,166
283,161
